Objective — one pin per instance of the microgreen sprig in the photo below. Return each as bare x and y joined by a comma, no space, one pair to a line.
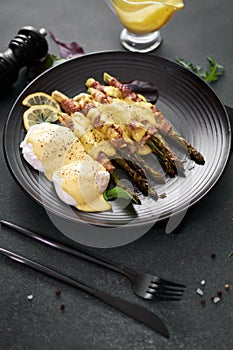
212,74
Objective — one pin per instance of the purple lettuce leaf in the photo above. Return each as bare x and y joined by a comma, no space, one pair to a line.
67,50
147,89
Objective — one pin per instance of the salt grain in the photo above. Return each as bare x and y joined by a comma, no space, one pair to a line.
199,291
30,297
216,300
203,282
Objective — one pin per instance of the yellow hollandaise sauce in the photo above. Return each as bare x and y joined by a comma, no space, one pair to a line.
142,17
122,113
78,179
54,146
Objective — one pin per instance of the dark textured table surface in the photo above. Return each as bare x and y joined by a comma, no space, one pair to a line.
202,29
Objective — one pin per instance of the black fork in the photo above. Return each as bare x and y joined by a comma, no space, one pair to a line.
147,286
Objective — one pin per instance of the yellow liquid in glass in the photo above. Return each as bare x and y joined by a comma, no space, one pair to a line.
142,17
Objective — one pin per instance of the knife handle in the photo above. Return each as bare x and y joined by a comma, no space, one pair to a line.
48,271
135,311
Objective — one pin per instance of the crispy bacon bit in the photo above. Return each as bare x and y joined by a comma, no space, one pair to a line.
151,129
67,121
162,124
70,106
135,125
86,108
104,160
118,130
112,131
145,138
126,92
98,122
119,143
96,85
99,96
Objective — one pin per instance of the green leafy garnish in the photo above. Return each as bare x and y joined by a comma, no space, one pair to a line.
213,72
118,192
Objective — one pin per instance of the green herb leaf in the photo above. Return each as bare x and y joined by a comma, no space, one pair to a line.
213,72
118,192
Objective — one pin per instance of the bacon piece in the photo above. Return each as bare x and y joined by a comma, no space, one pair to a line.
70,106
67,121
162,124
126,92
118,143
104,160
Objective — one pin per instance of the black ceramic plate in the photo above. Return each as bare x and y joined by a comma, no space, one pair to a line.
187,102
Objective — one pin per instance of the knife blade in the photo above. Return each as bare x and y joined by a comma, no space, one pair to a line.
135,311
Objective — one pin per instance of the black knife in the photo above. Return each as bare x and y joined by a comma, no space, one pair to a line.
135,311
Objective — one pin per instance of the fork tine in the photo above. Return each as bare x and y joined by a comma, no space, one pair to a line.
165,288
154,296
168,283
164,294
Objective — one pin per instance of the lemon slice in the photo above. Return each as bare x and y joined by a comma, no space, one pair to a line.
39,114
40,98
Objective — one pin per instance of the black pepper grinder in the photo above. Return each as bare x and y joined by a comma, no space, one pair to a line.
28,45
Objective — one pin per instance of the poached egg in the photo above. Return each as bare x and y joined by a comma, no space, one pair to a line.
79,180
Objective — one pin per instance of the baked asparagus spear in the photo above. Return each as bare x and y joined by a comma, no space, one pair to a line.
139,180
106,94
162,123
